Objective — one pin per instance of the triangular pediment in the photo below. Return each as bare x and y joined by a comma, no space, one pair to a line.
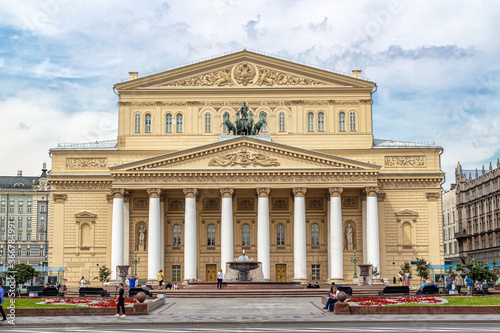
245,69
245,153
85,214
406,213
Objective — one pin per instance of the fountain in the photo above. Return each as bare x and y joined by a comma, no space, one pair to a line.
243,269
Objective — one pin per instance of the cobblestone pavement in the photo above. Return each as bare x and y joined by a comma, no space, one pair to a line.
244,310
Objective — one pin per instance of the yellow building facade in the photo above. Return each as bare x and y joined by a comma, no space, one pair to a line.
303,194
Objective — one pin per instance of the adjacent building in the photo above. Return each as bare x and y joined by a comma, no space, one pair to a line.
478,209
24,214
245,151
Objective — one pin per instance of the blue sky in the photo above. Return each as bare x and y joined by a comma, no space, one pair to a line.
436,64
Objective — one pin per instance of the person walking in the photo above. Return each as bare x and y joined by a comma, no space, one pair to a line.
470,285
449,282
83,282
121,302
407,278
400,278
2,294
160,277
220,276
459,282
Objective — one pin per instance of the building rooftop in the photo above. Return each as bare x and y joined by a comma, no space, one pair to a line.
18,182
381,143
96,145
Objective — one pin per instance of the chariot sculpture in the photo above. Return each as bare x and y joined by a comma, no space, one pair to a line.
244,123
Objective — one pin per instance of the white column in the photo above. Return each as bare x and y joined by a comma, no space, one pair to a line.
162,232
336,247
126,228
363,223
117,230
328,240
154,234
190,247
372,232
263,247
299,235
226,228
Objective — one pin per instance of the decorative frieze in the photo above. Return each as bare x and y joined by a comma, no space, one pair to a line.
210,203
176,205
314,203
408,183
87,163
245,204
279,203
141,203
244,159
81,185
404,161
349,202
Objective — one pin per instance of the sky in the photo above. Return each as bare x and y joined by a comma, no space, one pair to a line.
436,64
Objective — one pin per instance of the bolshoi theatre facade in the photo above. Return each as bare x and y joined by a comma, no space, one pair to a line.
186,188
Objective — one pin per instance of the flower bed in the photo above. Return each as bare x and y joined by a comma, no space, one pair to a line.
86,302
384,301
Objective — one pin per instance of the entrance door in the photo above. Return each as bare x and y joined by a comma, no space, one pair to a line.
280,272
211,273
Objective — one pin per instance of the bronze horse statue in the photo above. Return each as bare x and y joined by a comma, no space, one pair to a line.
230,126
258,125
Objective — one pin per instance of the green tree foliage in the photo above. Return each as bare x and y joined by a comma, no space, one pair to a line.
423,268
452,272
375,271
104,274
477,271
406,267
22,273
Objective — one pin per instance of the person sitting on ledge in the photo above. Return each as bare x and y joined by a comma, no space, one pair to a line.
432,284
421,289
309,285
316,285
330,304
175,286
168,286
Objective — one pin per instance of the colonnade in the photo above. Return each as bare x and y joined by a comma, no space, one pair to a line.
335,232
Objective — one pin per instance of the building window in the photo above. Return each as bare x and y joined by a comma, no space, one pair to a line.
11,218
211,235
314,234
179,123
315,272
29,206
177,235
42,251
176,273
20,207
28,235
42,222
19,252
147,123
342,122
2,222
43,207
1,252
137,123
20,222
2,207
352,121
280,235
208,122
245,235
321,122
310,122
42,236
282,125
28,252
11,207
168,123
28,222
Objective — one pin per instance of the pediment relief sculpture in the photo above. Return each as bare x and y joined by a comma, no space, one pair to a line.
245,74
243,158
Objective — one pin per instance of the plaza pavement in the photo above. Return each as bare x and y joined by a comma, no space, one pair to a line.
246,311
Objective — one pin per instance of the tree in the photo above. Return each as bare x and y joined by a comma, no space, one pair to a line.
406,267
495,271
476,270
22,273
104,274
451,272
422,269
375,271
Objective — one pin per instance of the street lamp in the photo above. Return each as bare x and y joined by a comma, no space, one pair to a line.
355,259
135,261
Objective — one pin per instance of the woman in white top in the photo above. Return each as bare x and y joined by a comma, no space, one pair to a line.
220,276
82,282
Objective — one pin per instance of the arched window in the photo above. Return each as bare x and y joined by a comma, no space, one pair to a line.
177,235
168,123
282,126
352,121
321,122
310,122
245,235
280,235
147,123
179,123
342,121
208,122
407,234
137,123
211,235
314,234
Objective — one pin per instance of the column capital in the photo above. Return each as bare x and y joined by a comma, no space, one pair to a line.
227,192
299,191
371,191
363,195
126,196
154,192
432,196
59,198
117,192
335,191
109,197
381,196
190,192
263,192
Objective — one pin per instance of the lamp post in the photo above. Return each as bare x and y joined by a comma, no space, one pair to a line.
135,261
354,260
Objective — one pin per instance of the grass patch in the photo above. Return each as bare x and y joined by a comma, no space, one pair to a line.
30,303
462,301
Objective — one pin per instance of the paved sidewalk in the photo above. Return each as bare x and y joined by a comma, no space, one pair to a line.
246,310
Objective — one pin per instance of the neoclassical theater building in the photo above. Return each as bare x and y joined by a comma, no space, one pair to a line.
304,195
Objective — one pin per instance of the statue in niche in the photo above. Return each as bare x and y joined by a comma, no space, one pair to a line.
348,233
142,235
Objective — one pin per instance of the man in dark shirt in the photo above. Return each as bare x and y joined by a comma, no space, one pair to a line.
121,301
449,282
